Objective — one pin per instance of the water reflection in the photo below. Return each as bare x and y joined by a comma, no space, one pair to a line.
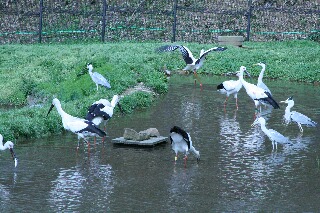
77,186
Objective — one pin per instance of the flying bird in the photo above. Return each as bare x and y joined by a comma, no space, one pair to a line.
192,63
97,78
181,142
295,116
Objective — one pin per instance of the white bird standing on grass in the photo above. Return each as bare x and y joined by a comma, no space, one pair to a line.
8,145
231,87
297,117
273,135
257,94
193,64
97,78
181,142
81,127
260,82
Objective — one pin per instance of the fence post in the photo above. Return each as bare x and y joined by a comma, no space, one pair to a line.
174,26
249,13
103,33
40,20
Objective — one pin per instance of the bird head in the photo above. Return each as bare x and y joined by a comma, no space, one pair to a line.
244,69
259,120
289,100
89,66
55,101
260,64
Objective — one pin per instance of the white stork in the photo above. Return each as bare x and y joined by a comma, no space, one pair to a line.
97,78
181,142
8,145
257,94
101,111
81,127
230,87
192,63
295,116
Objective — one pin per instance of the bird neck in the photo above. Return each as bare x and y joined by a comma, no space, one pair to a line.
5,146
288,108
261,73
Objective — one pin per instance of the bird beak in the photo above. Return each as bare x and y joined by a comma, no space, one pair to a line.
50,109
14,157
248,74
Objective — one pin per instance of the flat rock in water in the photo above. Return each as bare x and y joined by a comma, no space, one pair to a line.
150,142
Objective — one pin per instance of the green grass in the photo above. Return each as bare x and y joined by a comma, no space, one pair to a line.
44,71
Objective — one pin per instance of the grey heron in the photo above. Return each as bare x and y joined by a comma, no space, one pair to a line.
192,63
274,136
8,145
257,94
260,82
81,127
97,78
295,116
181,142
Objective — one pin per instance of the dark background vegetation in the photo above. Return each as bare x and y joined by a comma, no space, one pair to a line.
199,21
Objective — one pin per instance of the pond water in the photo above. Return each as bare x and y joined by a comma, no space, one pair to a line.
238,170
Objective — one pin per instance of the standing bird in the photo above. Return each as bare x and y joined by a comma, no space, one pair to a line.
230,87
97,78
181,142
257,94
260,82
297,117
192,63
8,145
273,135
102,110
81,127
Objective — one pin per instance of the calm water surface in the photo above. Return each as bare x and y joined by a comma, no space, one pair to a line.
238,170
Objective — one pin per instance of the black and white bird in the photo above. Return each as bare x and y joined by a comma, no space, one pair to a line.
274,136
231,87
258,95
295,116
193,64
8,145
102,110
181,142
97,78
83,128
260,82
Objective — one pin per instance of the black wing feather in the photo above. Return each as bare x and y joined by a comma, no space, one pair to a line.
93,129
183,50
181,132
270,100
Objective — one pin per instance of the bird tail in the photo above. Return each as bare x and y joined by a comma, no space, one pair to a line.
270,100
220,86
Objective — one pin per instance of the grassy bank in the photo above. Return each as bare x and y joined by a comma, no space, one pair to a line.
37,73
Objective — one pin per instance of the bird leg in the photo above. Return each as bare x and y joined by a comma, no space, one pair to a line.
237,103
197,78
225,102
185,160
300,127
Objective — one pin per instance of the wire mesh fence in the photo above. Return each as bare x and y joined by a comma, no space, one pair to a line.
31,21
